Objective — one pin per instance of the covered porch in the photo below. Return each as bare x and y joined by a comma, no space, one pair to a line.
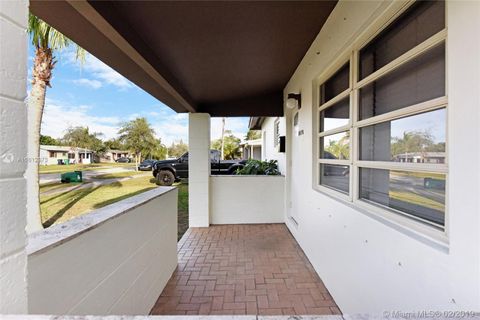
243,269
249,238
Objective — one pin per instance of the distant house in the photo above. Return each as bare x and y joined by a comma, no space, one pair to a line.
421,157
112,155
64,155
267,147
252,149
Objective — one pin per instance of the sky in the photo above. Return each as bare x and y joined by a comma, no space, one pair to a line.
94,95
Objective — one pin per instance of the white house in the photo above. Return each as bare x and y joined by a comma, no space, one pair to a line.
368,235
64,155
112,155
252,149
272,128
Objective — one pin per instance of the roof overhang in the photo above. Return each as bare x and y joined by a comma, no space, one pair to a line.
255,123
222,58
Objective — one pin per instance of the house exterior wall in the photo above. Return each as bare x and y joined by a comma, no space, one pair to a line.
246,199
115,260
269,152
13,156
371,264
111,156
257,152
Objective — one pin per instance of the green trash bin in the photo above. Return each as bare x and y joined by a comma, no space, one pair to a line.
75,176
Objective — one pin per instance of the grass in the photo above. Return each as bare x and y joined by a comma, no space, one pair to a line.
418,174
118,175
65,206
182,209
61,207
56,186
417,199
72,167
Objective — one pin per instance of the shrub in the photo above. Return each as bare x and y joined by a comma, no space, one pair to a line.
257,167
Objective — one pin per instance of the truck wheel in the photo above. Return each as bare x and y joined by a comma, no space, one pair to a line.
165,178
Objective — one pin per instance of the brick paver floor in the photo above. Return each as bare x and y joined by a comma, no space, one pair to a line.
243,269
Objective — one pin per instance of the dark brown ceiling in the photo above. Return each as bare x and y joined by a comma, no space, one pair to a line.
224,58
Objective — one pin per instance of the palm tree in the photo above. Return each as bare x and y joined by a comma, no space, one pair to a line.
222,148
46,40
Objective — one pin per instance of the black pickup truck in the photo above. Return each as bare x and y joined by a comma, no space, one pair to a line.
166,172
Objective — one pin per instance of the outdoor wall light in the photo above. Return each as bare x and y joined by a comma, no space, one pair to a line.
294,100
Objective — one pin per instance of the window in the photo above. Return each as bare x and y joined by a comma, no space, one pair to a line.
334,136
382,119
296,129
276,133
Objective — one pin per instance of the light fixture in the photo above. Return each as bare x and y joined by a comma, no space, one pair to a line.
294,100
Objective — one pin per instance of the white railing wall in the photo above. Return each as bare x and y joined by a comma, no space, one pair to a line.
115,260
247,199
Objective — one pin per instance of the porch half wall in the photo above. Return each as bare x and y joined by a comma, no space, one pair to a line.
247,199
114,260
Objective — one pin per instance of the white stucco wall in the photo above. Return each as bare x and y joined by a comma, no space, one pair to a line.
13,137
246,199
115,260
269,152
369,265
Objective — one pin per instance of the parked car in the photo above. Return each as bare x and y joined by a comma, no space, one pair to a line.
334,170
146,165
166,172
123,160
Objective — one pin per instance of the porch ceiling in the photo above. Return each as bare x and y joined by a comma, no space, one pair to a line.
223,58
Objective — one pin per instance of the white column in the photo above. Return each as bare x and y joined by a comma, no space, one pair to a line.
13,153
199,169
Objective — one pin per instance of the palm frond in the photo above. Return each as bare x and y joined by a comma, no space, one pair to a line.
45,36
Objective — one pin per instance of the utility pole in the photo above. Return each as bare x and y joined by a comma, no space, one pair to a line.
223,139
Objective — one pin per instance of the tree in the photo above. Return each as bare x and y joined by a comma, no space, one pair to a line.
96,144
177,149
340,149
231,145
253,135
414,141
114,144
159,152
49,141
46,41
222,143
138,137
80,137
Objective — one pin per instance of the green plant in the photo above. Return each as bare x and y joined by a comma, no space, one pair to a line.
257,167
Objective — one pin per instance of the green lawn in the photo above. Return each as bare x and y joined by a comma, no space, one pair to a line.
65,206
182,208
61,207
418,174
118,175
72,167
56,186
417,199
